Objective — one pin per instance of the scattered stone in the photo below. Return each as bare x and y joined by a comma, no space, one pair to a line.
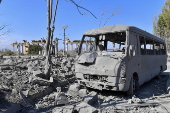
73,90
61,99
14,91
83,107
40,81
24,94
82,92
135,100
38,73
64,109
91,98
8,61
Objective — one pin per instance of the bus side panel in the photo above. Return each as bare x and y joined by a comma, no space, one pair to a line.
133,61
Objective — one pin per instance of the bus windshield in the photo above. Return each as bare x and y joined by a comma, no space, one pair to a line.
112,42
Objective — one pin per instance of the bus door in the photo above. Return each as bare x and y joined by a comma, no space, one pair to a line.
133,53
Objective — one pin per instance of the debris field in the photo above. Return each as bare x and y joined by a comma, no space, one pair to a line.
24,88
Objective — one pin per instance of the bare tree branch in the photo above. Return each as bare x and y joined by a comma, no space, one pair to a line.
4,33
2,27
114,13
106,10
82,8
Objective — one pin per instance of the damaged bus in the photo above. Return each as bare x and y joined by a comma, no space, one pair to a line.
119,58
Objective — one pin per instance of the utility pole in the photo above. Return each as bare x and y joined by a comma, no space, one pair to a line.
64,27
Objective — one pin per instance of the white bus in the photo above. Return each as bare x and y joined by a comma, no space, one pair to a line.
119,58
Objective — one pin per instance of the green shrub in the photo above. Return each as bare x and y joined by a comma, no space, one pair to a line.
34,49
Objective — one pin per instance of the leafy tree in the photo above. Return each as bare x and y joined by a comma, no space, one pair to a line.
34,49
161,24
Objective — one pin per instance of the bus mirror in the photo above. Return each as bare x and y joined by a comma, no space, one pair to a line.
132,50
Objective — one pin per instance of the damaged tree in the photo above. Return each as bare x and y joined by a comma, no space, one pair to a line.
50,31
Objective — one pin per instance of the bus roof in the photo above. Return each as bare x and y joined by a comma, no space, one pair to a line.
120,28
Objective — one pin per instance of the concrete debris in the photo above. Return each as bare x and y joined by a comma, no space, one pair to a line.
91,98
40,81
73,90
8,61
82,92
135,100
38,73
61,99
24,94
24,83
83,107
14,91
63,109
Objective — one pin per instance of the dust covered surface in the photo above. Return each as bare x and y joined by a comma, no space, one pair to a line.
21,78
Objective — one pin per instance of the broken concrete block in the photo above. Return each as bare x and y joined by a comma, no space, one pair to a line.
83,107
30,69
57,110
8,61
24,94
64,109
29,64
68,109
38,73
14,91
61,99
40,81
134,100
73,90
82,92
91,98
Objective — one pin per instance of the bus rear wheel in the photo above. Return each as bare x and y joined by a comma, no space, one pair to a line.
160,73
131,87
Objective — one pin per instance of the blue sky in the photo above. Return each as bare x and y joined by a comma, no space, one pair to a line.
28,18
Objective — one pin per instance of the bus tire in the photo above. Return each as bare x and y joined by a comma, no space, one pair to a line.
160,73
131,87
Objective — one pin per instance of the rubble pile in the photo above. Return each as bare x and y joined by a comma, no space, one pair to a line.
24,88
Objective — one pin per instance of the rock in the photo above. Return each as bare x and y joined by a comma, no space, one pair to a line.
38,73
30,69
24,94
61,99
82,92
64,109
57,110
52,96
73,90
91,98
135,100
14,91
40,81
8,61
83,107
